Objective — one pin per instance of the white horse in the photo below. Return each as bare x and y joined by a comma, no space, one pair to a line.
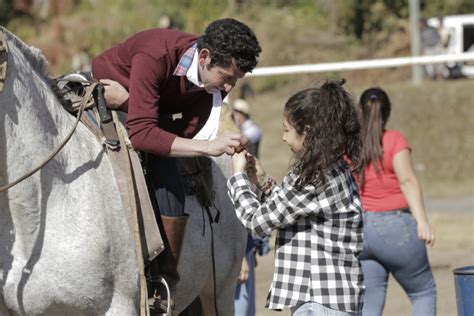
66,246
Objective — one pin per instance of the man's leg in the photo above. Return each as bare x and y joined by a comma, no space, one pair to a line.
168,193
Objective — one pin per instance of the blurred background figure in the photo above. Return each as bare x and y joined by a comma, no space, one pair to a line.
245,292
431,45
443,32
396,225
81,61
241,116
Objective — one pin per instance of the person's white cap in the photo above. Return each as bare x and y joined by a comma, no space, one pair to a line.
242,106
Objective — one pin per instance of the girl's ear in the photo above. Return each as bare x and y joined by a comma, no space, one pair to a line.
306,130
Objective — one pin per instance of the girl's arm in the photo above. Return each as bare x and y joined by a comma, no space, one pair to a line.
282,208
411,189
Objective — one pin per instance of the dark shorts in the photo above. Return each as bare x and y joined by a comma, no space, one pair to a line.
167,186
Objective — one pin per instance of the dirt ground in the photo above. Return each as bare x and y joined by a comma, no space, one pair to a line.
454,224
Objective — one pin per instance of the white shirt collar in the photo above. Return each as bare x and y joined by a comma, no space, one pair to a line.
193,74
209,130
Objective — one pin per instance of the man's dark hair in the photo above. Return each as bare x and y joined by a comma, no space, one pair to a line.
229,39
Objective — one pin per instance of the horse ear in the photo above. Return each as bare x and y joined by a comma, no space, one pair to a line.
226,123
3,59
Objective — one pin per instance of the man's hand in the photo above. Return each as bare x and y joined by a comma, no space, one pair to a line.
114,93
229,143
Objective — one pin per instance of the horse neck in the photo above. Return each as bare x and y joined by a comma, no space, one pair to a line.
33,124
31,113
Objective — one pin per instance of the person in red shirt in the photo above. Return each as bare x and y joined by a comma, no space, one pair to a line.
171,84
396,225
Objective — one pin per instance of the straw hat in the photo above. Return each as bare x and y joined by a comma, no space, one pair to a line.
242,106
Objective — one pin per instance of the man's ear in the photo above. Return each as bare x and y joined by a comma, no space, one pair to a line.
203,56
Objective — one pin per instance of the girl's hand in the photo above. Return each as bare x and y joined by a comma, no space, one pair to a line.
426,233
244,271
239,161
255,171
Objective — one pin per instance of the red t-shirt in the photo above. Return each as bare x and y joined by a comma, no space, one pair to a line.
383,193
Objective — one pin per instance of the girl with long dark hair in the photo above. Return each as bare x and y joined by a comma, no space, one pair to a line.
316,211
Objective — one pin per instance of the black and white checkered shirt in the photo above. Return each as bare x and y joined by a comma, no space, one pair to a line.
319,236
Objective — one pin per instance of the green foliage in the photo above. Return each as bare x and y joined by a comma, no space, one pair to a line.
5,11
446,7
364,18
270,83
288,29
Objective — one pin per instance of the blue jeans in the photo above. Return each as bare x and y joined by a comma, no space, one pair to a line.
391,245
315,309
244,301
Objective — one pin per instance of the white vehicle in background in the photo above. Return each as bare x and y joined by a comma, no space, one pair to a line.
457,32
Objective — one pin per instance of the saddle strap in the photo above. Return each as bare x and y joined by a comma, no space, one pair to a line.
126,175
109,129
152,242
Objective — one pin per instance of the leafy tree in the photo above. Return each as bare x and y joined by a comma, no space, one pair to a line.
6,7
362,18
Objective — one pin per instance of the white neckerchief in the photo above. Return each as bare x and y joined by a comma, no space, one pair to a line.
209,130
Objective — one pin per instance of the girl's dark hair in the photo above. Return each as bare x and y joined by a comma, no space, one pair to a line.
375,110
331,122
229,39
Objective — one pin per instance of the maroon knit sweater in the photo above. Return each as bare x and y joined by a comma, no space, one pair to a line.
144,65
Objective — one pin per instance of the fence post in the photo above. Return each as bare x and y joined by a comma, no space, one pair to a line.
416,70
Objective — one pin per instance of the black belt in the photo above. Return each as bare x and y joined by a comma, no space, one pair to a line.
399,210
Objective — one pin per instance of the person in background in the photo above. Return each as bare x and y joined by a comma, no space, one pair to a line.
316,211
245,292
81,61
396,225
431,45
443,32
171,84
253,133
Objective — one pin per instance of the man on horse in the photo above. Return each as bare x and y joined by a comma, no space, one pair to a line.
172,85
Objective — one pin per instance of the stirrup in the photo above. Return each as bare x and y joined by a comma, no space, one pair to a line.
168,293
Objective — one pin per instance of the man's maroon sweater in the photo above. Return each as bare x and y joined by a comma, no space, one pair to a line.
144,65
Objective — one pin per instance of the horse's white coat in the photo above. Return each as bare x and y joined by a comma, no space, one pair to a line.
65,242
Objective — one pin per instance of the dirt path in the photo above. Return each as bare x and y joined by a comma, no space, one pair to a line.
454,224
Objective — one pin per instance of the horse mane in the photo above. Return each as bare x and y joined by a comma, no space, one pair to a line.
32,54
37,60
